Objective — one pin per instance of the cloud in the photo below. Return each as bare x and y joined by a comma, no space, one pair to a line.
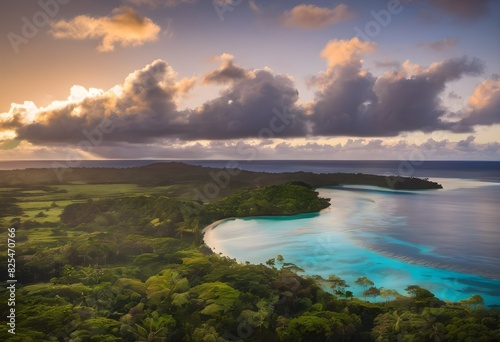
144,109
261,104
353,149
141,109
254,7
17,115
454,96
125,27
227,71
463,9
445,44
466,144
264,105
9,144
342,52
314,17
467,9
156,3
483,106
353,102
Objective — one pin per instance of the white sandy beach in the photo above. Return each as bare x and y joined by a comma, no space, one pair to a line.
209,239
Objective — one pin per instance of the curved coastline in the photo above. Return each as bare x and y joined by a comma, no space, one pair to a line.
214,246
461,278
213,225
207,234
400,274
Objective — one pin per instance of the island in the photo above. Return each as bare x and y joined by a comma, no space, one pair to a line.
230,177
118,255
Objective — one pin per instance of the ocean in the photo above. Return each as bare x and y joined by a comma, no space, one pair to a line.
444,240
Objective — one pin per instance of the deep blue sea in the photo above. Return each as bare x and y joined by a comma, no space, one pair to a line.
445,240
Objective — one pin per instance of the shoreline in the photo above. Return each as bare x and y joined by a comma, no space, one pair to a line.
207,235
458,279
213,225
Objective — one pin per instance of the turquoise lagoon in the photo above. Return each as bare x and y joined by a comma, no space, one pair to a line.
444,240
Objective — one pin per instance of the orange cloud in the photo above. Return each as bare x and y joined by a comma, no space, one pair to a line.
125,27
484,93
313,17
342,52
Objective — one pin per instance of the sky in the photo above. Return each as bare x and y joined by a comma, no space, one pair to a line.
250,79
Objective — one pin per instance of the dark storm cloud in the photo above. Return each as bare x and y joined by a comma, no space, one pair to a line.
256,106
14,121
342,107
145,109
356,103
350,101
227,72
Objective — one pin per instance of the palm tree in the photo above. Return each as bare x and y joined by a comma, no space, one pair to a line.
154,328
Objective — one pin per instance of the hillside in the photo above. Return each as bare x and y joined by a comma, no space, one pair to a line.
163,174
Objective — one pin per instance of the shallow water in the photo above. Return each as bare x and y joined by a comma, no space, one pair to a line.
445,240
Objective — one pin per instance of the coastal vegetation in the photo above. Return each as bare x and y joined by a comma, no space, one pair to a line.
126,262
185,176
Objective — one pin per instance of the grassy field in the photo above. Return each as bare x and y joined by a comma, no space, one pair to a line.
44,205
49,201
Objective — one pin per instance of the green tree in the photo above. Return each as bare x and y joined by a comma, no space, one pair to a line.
422,297
371,292
438,332
364,282
389,294
473,302
153,328
205,333
271,262
217,298
161,287
259,318
305,328
338,285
